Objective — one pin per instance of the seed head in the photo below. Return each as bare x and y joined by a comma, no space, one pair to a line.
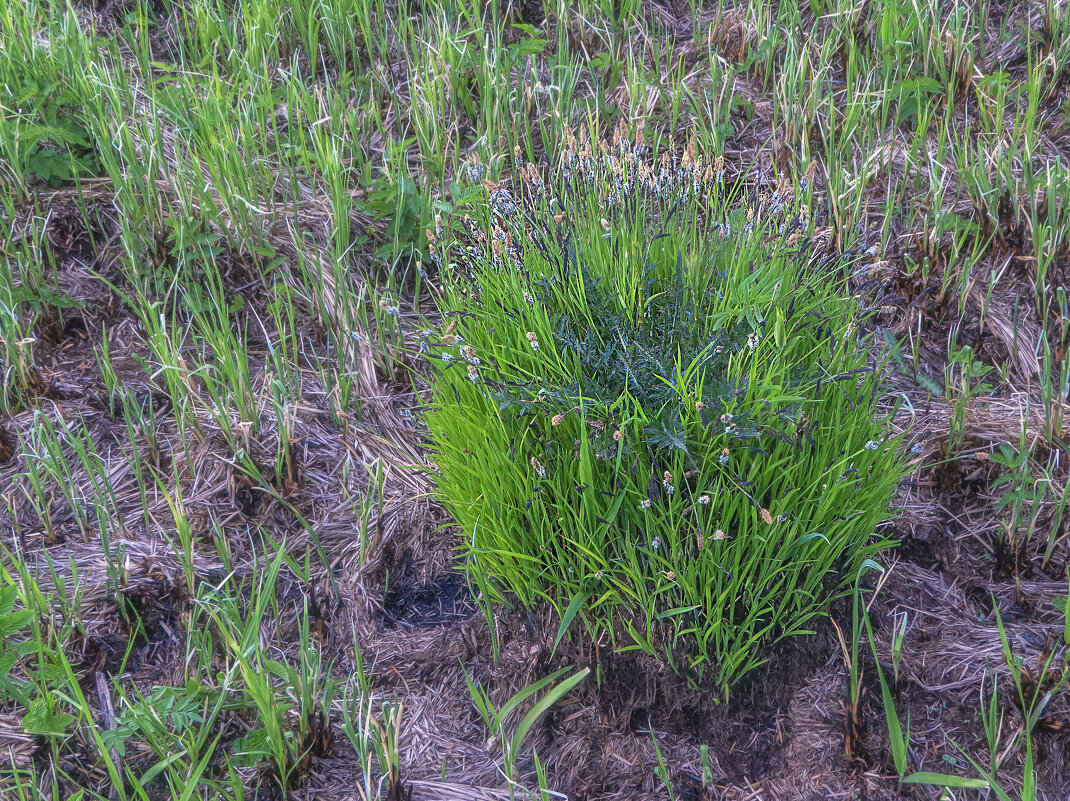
617,435
557,418
718,535
723,459
768,518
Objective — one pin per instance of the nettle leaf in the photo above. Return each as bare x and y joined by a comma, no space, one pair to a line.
251,749
528,47
42,719
8,596
15,622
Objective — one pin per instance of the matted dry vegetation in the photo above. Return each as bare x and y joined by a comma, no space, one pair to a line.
346,496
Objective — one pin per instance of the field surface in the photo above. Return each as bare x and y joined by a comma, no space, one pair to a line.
225,574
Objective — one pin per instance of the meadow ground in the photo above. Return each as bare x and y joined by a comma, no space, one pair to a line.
224,575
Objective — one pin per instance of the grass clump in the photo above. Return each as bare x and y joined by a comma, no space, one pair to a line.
653,409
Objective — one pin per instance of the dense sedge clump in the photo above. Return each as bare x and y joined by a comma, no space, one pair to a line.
655,410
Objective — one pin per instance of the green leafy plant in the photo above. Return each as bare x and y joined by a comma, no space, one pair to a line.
1020,493
12,648
900,739
653,410
963,382
499,720
375,740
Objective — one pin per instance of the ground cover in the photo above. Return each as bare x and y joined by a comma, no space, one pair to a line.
225,570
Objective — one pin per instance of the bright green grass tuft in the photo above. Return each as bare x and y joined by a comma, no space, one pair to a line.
653,409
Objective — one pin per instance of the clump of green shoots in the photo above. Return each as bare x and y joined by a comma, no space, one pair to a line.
651,408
